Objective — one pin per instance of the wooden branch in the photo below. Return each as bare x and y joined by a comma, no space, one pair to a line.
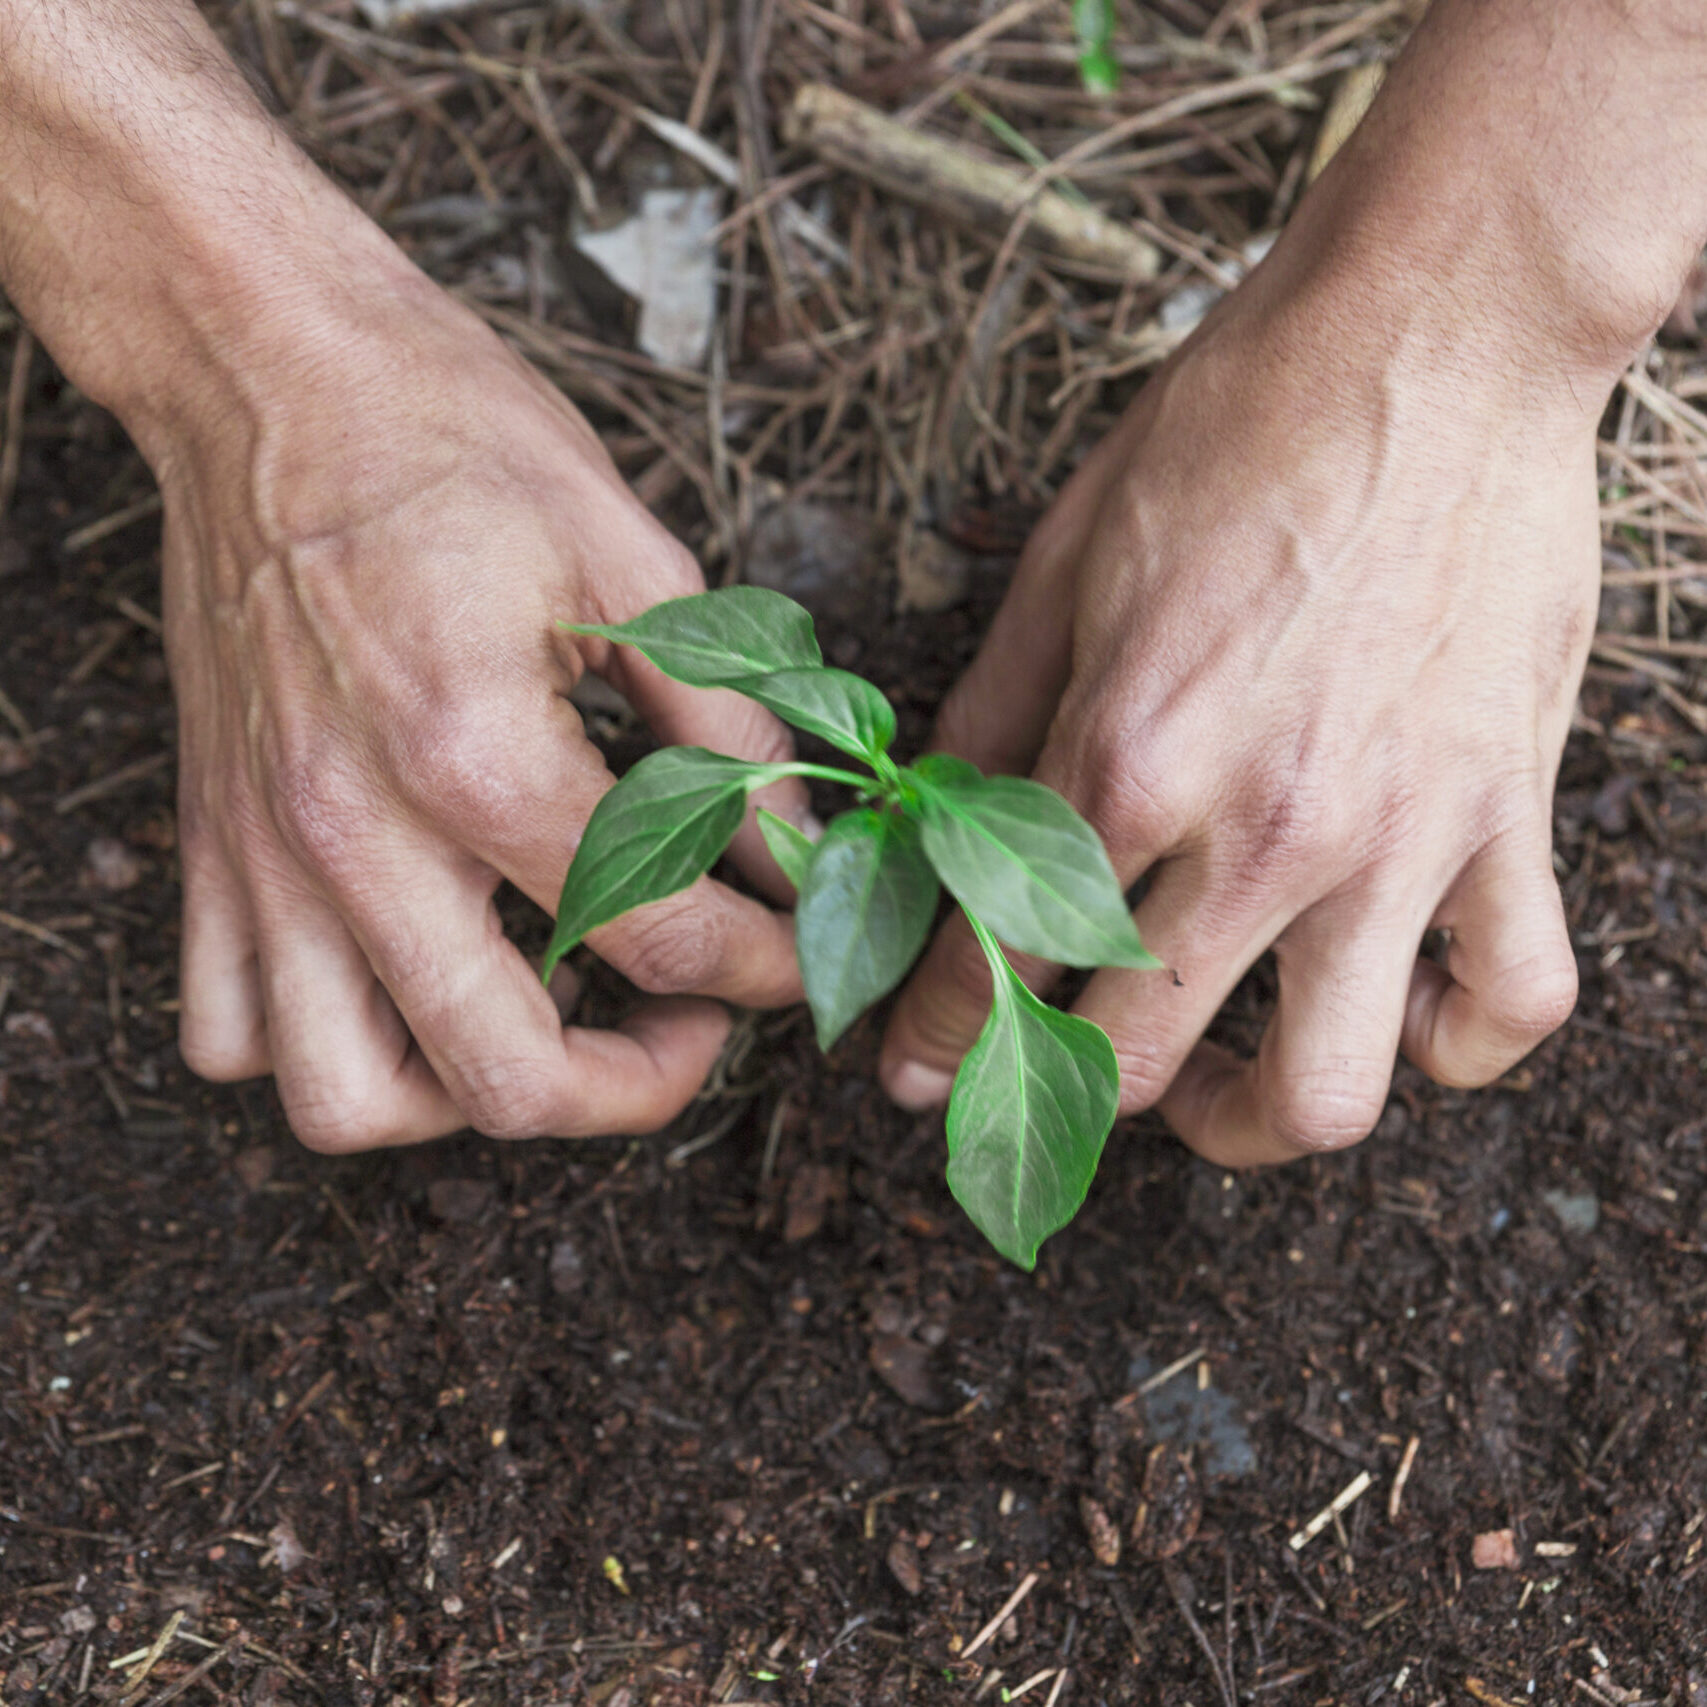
962,186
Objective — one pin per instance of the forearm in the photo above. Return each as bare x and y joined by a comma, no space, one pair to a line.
1541,165
158,230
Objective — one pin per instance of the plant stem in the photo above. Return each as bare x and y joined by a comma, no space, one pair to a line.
992,949
827,773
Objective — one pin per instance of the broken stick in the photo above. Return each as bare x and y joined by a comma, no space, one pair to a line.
961,185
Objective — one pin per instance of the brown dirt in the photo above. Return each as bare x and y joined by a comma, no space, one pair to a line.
766,1422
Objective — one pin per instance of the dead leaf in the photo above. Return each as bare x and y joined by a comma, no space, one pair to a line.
663,257
1100,1529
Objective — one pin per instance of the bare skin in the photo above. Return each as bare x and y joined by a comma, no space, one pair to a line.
1302,638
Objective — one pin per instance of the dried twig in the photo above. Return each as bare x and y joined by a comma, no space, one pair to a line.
1008,1608
959,185
1353,1491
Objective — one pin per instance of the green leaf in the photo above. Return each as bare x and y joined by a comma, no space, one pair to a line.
846,710
946,770
659,828
865,911
1019,857
1093,28
1031,1108
713,640
790,848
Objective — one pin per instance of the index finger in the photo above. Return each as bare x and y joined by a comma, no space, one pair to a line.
492,1036
519,803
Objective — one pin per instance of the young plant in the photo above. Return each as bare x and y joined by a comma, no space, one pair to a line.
1035,1096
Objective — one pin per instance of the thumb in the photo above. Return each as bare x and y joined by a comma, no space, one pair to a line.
998,713
941,1011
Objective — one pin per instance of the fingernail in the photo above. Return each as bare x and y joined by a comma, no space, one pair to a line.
915,1086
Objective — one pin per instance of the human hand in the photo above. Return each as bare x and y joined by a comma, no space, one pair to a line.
375,517
1302,640
364,570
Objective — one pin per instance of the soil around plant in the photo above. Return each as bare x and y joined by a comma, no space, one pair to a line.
745,1411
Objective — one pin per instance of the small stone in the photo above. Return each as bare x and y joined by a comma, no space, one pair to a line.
109,864
37,1027
1611,806
812,1190
1577,1211
815,553
903,1562
936,576
1494,1550
288,1553
1558,1350
78,1620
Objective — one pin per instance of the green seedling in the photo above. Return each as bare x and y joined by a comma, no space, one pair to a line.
1035,1096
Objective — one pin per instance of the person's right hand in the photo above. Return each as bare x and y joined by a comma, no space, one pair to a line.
365,567
376,516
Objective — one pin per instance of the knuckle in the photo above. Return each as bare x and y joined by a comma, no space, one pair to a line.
321,808
1124,794
511,1099
1330,1107
671,950
1532,999
679,569
458,766
1287,827
335,1121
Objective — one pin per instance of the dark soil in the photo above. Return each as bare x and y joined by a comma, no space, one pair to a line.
762,1420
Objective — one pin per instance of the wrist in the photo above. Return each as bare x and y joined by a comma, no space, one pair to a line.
1507,176
177,254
